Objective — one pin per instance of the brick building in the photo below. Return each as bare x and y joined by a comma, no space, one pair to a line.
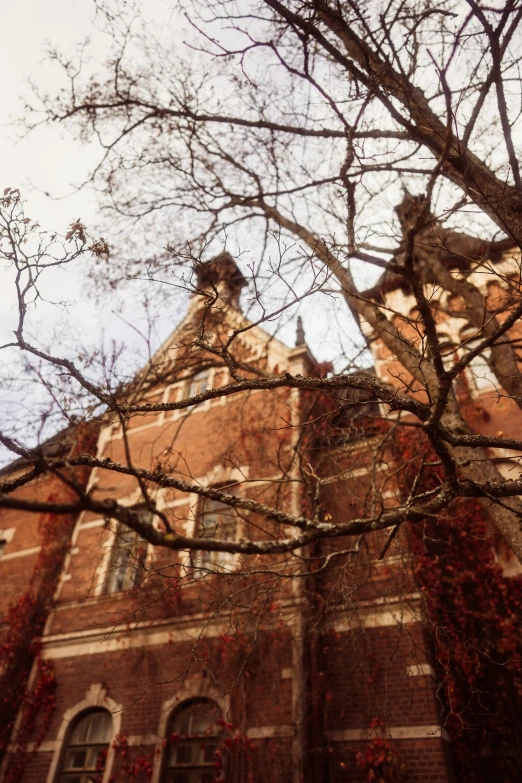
183,668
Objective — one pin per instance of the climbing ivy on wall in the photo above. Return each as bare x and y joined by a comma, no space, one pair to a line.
475,621
22,647
475,617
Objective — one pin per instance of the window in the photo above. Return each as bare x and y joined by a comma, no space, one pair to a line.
86,752
214,520
129,551
479,371
198,383
446,349
192,742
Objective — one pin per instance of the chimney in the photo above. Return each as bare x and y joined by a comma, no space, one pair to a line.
222,274
299,332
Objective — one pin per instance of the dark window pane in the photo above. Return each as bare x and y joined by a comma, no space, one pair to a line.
184,754
97,757
209,752
75,759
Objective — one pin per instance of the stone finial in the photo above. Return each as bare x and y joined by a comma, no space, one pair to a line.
409,208
221,273
299,334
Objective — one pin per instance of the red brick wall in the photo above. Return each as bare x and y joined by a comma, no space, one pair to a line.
254,659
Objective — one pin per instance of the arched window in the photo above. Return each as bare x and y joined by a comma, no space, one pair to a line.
192,742
86,752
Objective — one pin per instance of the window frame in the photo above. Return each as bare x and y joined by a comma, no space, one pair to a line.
196,766
193,383
130,572
481,377
62,774
209,563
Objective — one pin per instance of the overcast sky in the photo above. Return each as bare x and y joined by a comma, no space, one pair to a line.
48,161
45,161
48,165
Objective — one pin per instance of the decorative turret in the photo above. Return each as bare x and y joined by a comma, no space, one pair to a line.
221,274
454,249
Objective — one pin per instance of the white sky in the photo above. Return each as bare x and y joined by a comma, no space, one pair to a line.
45,161
49,161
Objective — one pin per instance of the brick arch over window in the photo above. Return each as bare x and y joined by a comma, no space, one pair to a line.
95,699
193,742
